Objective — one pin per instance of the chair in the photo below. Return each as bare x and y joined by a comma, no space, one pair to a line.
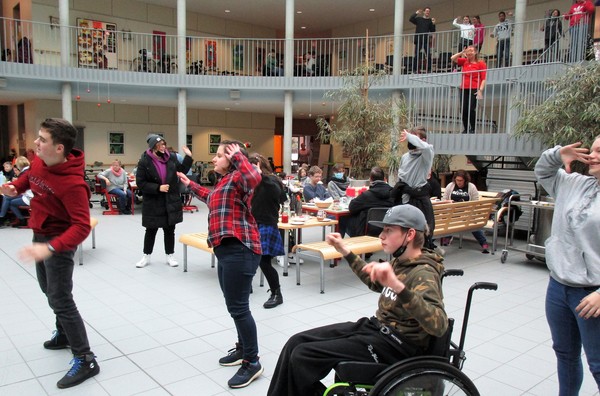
374,214
109,201
186,199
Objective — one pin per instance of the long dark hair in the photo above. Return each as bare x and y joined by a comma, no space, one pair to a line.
242,149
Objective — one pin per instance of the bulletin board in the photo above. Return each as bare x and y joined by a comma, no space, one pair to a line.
96,44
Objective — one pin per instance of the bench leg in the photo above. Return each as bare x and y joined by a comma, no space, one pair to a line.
262,279
297,267
322,263
93,238
80,248
212,261
184,258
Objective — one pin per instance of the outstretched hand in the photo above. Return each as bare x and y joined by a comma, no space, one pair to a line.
573,152
335,239
403,135
183,178
186,151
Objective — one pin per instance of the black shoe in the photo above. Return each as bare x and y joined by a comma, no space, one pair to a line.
58,341
245,375
275,299
465,131
471,130
20,223
126,212
233,358
84,367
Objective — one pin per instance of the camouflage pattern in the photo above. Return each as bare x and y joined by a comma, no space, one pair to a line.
418,311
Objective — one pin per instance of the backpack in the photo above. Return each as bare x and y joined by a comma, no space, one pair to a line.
515,210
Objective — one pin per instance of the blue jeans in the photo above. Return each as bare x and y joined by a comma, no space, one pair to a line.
124,198
236,269
55,276
569,332
503,53
578,42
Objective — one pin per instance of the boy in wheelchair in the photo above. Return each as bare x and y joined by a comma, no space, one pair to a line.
410,310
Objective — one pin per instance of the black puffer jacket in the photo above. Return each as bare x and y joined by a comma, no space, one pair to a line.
378,195
161,209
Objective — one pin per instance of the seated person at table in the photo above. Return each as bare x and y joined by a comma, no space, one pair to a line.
461,189
377,196
117,184
314,188
338,183
410,306
13,203
302,175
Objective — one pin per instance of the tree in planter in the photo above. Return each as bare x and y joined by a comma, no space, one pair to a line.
365,128
570,114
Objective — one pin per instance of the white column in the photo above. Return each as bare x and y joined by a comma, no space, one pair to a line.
288,115
398,28
181,68
517,41
289,44
65,50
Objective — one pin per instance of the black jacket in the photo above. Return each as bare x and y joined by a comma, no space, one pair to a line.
424,26
267,199
378,195
160,209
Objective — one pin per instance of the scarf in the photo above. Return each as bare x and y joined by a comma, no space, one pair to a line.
119,173
160,163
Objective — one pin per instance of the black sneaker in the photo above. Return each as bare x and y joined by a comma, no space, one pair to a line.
233,358
58,341
83,367
246,374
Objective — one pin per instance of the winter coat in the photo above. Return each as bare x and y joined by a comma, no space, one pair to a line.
377,196
161,209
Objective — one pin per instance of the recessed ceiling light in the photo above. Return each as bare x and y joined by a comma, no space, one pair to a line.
372,9
302,27
227,11
227,108
298,12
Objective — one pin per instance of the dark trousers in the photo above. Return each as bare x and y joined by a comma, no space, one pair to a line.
503,53
237,266
270,273
468,105
150,237
422,45
309,356
464,43
55,276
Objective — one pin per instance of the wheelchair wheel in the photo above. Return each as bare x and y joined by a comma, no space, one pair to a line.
424,378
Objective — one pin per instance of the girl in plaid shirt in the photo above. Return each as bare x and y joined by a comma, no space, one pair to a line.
233,234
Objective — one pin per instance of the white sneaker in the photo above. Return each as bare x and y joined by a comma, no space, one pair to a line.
292,259
144,261
171,260
280,261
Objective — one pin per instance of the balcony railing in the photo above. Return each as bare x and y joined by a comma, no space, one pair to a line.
39,43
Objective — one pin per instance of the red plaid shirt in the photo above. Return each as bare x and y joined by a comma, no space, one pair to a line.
229,210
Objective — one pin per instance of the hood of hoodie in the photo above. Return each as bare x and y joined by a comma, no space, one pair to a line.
70,171
427,257
380,189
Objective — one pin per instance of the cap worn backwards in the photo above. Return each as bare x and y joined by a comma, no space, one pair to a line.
153,139
406,216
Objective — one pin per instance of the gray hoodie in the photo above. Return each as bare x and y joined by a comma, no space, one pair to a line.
572,253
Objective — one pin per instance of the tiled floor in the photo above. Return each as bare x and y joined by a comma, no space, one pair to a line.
160,331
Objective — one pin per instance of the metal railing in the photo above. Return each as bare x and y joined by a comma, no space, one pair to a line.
39,43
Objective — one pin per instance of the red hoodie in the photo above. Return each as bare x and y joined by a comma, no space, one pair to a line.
580,12
59,206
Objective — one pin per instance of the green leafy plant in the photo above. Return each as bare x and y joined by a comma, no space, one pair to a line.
570,114
365,126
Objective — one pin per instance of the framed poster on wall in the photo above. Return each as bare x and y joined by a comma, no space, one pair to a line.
116,143
96,44
213,143
211,54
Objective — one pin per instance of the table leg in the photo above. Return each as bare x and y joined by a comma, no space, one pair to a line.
286,248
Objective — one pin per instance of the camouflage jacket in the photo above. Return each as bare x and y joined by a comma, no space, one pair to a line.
418,311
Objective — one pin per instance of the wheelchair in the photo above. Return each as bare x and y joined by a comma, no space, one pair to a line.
436,373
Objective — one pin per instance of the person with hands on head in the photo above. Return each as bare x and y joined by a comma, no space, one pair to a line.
410,310
156,178
60,220
234,236
473,83
573,257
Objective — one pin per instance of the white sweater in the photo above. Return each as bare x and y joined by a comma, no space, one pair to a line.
466,31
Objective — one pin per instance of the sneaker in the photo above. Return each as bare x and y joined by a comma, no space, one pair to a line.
233,358
485,248
171,260
280,261
144,261
83,367
246,374
292,260
57,341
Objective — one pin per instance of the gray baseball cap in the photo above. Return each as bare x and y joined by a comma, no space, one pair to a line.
406,216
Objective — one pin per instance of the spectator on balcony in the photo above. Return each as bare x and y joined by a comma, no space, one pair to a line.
272,64
467,32
472,86
7,55
425,26
24,54
552,32
503,32
479,32
309,63
579,17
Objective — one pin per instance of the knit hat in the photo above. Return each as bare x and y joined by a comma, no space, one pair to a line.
406,216
153,139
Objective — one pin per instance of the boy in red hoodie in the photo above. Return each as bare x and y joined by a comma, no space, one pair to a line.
60,220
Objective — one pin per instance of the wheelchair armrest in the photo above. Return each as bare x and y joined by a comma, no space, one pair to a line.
359,372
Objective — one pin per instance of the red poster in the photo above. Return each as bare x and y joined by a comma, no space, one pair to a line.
211,54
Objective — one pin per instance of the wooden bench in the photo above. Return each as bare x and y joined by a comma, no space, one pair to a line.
459,217
93,224
198,240
323,251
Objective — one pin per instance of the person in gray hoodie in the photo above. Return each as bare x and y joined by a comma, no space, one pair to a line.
573,257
